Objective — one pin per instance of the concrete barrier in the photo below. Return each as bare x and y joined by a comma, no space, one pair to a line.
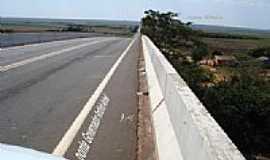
183,127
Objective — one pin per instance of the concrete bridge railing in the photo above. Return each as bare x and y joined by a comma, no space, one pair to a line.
183,127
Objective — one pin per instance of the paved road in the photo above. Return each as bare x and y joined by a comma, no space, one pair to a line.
13,39
43,88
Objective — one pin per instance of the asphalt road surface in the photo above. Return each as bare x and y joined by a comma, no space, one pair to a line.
13,39
44,87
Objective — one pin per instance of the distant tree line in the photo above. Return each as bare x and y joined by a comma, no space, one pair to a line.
6,30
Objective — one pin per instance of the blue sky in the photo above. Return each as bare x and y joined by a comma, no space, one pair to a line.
246,13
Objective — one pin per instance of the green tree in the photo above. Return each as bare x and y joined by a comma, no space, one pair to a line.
241,107
165,29
199,52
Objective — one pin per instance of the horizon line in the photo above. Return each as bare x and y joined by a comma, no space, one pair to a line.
68,18
104,19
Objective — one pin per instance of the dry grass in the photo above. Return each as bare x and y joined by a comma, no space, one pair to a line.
229,46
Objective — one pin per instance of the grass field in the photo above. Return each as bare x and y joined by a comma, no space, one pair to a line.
234,30
235,45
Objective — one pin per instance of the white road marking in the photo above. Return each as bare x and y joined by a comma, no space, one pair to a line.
126,117
67,139
122,117
130,118
100,56
89,135
44,56
47,43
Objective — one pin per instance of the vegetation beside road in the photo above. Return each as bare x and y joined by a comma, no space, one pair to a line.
229,73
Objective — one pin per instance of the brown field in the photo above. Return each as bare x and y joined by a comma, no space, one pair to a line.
229,46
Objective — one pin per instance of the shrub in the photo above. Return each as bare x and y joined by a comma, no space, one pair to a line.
259,52
199,52
241,107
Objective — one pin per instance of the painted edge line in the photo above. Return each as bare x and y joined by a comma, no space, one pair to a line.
67,139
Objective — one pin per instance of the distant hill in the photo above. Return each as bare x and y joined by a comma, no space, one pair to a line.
233,30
